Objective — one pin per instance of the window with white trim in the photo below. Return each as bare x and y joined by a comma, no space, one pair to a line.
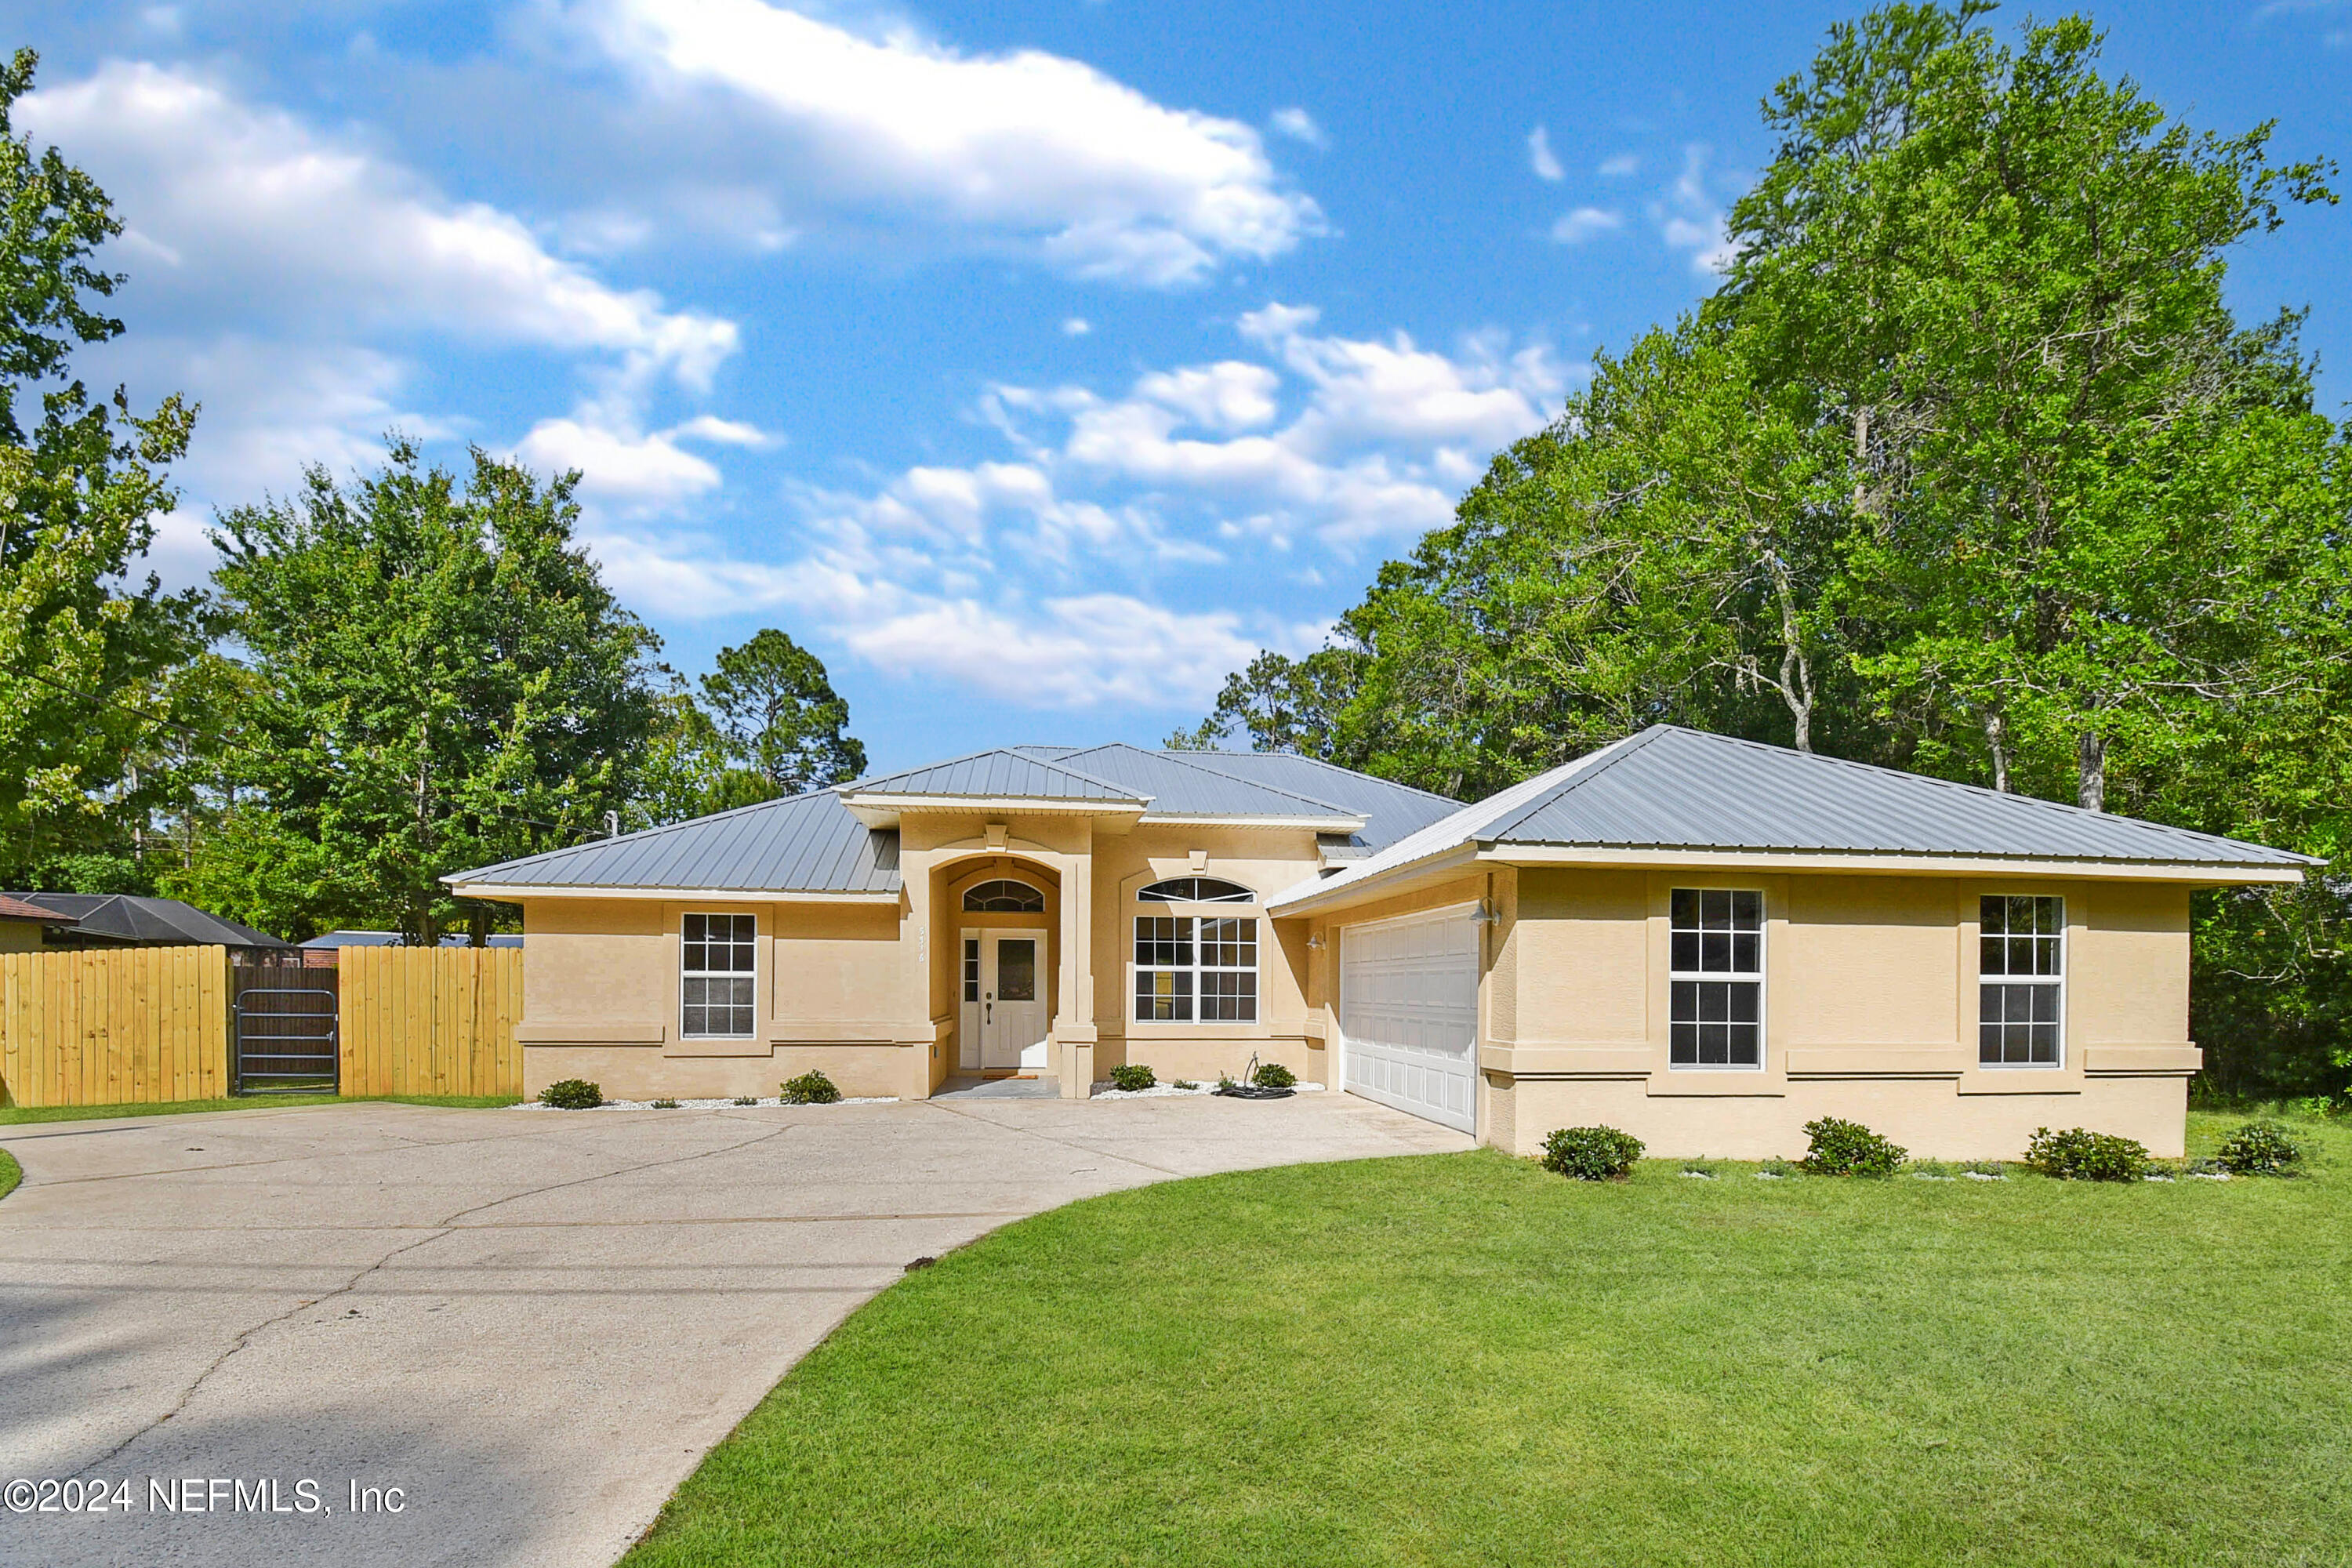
1196,890
1004,896
2020,980
1715,978
719,963
1191,968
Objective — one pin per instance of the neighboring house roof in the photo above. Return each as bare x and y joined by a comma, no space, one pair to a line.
815,845
801,844
13,907
1671,788
394,939
149,923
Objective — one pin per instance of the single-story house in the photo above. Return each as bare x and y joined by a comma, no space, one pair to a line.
1705,941
134,919
26,925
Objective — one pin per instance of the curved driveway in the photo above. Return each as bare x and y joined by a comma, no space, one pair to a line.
532,1324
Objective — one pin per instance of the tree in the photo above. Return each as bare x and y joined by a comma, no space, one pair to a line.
688,768
441,681
781,716
87,659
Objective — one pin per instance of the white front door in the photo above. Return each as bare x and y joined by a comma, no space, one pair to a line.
1409,1015
1003,983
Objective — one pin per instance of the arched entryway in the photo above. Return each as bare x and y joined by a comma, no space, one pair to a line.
997,917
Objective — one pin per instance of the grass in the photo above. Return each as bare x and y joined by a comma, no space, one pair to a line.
11,1172
11,1115
1459,1358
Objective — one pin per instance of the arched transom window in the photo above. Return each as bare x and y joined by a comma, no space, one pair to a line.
1196,890
1004,896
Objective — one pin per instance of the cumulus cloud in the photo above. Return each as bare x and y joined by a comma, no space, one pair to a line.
1299,126
1541,158
1585,222
1076,326
1039,149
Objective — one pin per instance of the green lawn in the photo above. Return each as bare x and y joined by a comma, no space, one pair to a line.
12,1114
10,1172
1460,1359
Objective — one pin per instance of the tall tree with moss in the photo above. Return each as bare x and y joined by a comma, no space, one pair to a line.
441,679
91,660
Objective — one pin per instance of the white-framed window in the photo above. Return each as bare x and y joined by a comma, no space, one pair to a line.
1715,978
972,969
1196,890
1195,968
2020,981
719,965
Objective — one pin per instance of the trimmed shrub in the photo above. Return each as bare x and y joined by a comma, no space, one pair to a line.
811,1087
1132,1076
573,1094
1591,1153
2080,1155
1849,1149
1272,1075
2258,1149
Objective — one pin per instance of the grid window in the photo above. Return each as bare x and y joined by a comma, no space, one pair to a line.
972,969
1004,896
1185,962
2021,986
1716,979
719,961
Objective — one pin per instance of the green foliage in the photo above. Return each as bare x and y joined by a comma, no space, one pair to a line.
2259,1149
571,1094
2077,1155
443,682
665,1104
1273,1075
773,701
811,1088
747,1099
10,1172
1841,1148
1132,1076
1591,1154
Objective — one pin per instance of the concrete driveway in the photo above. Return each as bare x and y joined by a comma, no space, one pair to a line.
532,1324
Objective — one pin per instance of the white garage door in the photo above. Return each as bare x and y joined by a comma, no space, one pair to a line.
1409,1012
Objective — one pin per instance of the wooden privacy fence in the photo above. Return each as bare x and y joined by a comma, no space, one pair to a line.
146,1024
431,1020
114,1027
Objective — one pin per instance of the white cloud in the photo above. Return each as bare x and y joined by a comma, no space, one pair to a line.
1076,326
1540,157
1585,222
241,211
1026,146
1691,219
1299,126
1619,167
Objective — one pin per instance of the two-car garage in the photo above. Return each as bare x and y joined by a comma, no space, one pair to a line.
1408,1013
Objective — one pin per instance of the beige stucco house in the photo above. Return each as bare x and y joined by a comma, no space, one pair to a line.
1705,941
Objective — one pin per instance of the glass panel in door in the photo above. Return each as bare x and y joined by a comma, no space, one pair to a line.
1016,968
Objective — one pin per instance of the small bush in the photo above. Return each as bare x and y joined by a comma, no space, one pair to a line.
811,1087
747,1099
1985,1170
1272,1075
2080,1155
2258,1149
1591,1154
1132,1076
1186,1083
1849,1149
664,1103
1776,1168
1932,1171
573,1094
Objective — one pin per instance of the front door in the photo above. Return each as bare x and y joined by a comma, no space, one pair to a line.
1004,1019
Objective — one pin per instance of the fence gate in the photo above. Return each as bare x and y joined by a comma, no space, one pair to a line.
284,1012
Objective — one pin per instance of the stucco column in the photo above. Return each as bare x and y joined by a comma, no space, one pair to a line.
1073,1014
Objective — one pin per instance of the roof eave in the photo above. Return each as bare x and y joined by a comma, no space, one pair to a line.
1875,862
1339,893
1213,820
881,811
516,892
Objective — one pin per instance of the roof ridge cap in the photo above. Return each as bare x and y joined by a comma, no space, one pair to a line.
656,832
1330,806
1324,763
1125,792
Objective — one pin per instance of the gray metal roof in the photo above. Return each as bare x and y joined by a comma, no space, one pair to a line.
1670,788
1000,774
806,843
148,922
1180,787
1390,810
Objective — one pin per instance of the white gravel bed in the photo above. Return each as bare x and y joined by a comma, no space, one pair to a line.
712,1104
1107,1090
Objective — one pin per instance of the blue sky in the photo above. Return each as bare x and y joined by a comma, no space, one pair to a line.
1035,362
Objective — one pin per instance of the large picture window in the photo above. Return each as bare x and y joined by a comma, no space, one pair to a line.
2021,985
1195,968
718,964
1716,975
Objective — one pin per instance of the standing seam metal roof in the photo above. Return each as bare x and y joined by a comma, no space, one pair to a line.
1000,772
1179,787
807,843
